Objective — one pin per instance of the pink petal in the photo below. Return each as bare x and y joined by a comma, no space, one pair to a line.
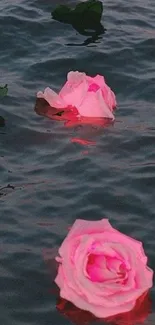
52,98
113,264
144,278
99,80
108,94
93,87
123,240
100,292
134,244
98,310
67,266
98,270
81,227
60,278
109,97
94,105
73,94
95,273
76,77
92,291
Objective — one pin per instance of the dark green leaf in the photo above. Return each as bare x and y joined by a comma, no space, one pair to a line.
87,12
82,7
2,121
3,91
94,6
62,13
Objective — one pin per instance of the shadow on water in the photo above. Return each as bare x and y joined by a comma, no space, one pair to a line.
96,36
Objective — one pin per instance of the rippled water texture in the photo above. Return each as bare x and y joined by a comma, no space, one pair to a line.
48,180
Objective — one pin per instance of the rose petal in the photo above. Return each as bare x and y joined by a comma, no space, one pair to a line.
94,292
123,240
98,79
93,105
76,77
60,278
131,242
74,94
108,94
98,310
81,227
109,97
93,87
144,279
52,98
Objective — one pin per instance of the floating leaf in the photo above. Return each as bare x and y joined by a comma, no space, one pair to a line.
83,6
2,121
4,90
90,7
86,15
62,13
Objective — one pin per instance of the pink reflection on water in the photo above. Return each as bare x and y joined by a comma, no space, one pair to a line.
71,118
80,317
83,141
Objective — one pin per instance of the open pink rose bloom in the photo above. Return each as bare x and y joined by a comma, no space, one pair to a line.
81,96
102,270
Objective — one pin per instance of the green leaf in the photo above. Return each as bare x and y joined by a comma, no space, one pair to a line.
82,7
2,121
94,6
87,11
62,13
97,9
3,91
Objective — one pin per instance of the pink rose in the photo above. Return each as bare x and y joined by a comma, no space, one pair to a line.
102,270
91,96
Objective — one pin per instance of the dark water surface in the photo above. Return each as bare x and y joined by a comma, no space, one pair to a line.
46,180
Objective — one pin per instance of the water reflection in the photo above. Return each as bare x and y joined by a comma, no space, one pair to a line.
93,37
90,40
80,317
71,119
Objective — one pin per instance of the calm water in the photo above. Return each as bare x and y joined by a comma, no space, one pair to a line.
46,180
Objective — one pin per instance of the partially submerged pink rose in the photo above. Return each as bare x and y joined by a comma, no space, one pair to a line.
89,95
102,270
137,315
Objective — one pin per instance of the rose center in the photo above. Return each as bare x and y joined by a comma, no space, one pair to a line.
104,268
